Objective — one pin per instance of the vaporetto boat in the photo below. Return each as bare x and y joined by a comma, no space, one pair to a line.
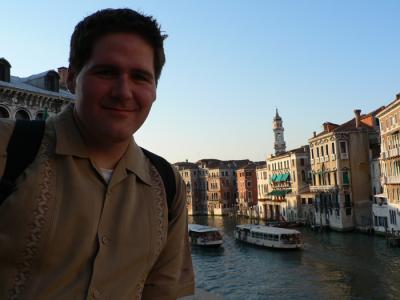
206,236
268,236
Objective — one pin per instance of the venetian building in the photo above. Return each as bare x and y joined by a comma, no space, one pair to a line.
247,189
387,208
262,190
33,97
288,182
221,185
277,125
194,182
341,179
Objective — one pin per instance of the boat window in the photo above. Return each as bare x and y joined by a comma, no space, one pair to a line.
276,237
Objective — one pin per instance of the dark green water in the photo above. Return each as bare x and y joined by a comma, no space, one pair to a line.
332,266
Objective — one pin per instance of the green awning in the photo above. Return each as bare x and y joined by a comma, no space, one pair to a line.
278,178
285,177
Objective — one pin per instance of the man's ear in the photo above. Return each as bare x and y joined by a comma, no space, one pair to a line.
71,79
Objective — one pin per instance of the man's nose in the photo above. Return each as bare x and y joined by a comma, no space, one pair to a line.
122,87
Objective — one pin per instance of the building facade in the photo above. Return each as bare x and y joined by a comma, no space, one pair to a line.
387,209
341,180
262,190
33,97
289,176
193,177
247,190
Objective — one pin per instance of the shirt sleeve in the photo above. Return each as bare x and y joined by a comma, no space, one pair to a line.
172,275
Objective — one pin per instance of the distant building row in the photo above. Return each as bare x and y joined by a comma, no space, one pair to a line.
334,181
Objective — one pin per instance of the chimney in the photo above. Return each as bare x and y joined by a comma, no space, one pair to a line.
357,113
63,72
398,96
314,133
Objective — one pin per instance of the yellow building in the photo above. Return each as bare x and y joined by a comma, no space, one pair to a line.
340,163
288,177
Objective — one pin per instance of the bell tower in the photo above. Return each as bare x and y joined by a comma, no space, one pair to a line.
279,145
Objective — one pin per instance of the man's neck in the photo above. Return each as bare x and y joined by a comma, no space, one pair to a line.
102,152
107,158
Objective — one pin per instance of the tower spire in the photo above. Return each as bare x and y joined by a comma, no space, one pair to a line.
279,145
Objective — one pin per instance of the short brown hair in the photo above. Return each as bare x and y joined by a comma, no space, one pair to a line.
107,21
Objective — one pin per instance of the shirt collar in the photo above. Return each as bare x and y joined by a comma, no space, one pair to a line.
135,161
70,142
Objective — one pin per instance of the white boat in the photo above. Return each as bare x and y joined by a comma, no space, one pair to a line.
268,236
206,236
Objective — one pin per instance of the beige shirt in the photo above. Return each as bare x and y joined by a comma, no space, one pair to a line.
67,234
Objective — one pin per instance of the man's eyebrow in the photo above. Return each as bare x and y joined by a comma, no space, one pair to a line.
138,70
143,73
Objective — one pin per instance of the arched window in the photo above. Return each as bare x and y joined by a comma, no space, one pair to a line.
22,115
4,113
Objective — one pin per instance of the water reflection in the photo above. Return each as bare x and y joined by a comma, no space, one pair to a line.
332,266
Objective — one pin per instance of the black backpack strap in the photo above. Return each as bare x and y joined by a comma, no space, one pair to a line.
21,151
168,177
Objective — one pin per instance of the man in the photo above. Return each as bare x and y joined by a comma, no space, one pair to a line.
89,218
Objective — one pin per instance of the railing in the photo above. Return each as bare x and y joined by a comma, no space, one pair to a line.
333,156
344,156
394,152
321,159
393,179
326,158
322,188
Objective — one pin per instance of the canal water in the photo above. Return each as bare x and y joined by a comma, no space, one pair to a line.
332,266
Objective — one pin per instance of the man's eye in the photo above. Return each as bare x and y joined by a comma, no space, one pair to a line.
104,73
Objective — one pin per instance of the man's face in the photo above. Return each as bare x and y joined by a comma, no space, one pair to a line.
115,88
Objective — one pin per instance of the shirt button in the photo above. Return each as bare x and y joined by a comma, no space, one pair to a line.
105,240
95,293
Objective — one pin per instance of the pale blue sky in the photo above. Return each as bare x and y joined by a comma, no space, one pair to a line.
231,63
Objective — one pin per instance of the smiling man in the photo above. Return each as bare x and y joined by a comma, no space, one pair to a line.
90,217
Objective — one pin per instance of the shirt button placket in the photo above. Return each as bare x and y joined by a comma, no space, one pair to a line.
105,240
96,293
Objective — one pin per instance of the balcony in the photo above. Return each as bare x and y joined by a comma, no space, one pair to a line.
312,161
393,152
392,179
323,188
344,156
333,156
326,158
321,159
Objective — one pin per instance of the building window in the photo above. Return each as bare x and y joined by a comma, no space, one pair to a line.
333,148
312,153
303,176
343,147
317,152
301,161
326,148
345,175
393,219
322,150
4,113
